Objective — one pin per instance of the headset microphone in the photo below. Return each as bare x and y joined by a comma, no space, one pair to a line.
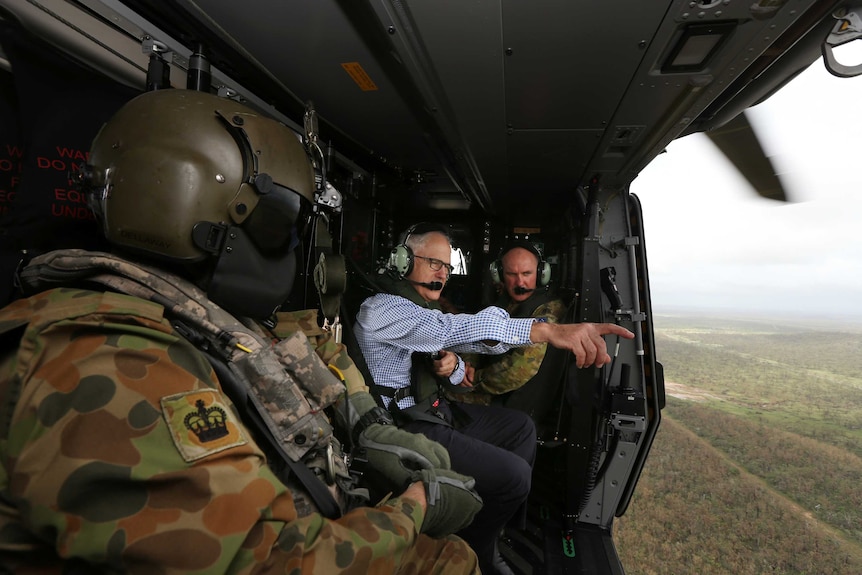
522,290
433,286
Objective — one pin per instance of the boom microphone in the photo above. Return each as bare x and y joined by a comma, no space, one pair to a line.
433,286
521,290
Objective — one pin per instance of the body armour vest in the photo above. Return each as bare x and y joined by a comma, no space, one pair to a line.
285,385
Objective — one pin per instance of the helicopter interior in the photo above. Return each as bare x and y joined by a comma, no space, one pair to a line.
504,120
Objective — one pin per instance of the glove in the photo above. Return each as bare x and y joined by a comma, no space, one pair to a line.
365,416
452,501
393,456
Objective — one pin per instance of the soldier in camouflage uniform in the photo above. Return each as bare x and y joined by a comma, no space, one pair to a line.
523,274
150,426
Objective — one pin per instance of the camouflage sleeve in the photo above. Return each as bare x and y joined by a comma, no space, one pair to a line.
123,452
370,540
514,368
383,539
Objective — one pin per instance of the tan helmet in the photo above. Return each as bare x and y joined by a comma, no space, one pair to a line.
185,176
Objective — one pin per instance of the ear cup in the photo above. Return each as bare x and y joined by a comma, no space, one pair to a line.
544,273
496,269
401,260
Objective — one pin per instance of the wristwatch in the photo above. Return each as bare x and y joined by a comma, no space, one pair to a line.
374,415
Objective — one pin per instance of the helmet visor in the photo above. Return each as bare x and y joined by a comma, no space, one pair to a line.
279,220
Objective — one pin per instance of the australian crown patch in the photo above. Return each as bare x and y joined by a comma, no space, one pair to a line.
201,423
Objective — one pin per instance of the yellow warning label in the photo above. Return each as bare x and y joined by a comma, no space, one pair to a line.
357,72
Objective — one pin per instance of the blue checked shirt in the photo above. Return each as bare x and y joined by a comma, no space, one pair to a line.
389,328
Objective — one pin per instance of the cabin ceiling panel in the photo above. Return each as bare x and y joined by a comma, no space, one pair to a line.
559,55
315,51
463,41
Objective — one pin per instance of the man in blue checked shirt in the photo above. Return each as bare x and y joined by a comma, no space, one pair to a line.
411,347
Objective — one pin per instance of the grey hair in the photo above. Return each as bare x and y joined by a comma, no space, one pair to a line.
418,235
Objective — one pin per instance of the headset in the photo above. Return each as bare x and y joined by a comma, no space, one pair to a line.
543,269
401,258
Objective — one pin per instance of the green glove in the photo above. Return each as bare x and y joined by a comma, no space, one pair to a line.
393,456
452,501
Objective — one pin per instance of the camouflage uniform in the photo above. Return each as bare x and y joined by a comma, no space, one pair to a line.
501,374
121,453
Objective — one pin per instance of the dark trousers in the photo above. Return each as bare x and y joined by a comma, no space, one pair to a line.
497,447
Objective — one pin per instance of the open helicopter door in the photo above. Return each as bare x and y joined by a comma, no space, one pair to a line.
594,442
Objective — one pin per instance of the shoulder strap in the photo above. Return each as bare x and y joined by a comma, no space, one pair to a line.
330,275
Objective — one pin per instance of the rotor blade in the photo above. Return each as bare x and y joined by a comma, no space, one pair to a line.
738,142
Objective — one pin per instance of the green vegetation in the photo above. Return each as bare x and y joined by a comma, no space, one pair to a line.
756,468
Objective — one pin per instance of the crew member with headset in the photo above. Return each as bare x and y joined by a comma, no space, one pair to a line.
401,328
525,276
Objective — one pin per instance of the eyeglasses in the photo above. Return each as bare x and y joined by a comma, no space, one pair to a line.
436,264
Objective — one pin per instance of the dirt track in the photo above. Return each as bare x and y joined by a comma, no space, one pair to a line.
681,391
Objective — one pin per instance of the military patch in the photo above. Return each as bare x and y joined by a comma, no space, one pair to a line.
201,423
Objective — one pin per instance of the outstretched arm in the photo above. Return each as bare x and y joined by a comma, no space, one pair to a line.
585,340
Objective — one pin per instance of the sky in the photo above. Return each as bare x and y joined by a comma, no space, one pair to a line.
713,244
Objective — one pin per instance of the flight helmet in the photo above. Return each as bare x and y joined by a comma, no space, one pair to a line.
193,179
